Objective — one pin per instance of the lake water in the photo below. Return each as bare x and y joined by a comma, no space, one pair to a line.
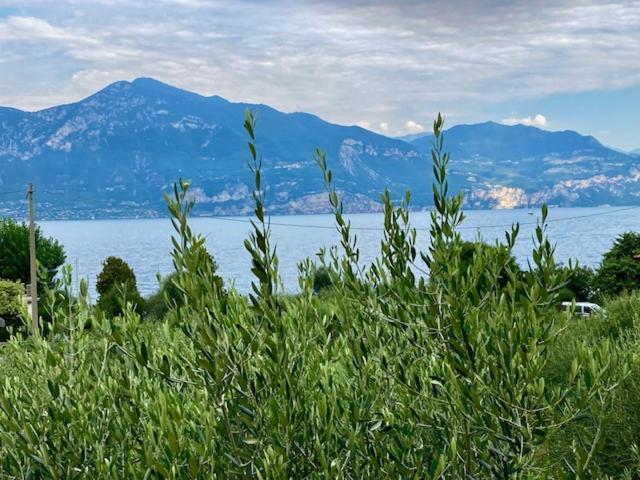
579,233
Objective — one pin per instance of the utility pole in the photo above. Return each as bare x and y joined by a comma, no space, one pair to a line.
32,262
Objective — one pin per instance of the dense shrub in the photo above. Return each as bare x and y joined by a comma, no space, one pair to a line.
116,285
11,294
392,376
620,268
11,307
113,302
14,253
580,285
115,271
622,314
170,296
506,260
321,279
616,424
159,303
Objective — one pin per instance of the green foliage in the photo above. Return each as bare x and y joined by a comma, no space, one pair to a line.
116,284
115,271
14,253
612,420
622,314
493,345
620,270
11,306
160,302
321,279
169,295
580,285
113,302
468,253
386,375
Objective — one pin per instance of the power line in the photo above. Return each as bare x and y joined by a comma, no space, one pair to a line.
463,227
563,219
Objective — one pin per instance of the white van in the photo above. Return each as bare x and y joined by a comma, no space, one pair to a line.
584,309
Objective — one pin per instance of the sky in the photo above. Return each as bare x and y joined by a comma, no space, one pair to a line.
387,65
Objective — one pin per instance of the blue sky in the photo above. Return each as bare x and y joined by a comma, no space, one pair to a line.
387,65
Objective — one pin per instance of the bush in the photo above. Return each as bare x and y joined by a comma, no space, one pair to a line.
116,284
620,269
503,256
169,296
115,271
11,295
622,314
114,301
321,279
159,303
580,285
14,253
395,377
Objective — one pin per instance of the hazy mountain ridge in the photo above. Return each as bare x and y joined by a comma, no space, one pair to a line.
517,166
114,153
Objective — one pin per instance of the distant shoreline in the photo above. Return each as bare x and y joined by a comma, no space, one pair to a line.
157,215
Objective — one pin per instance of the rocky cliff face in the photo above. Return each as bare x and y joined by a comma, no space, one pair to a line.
117,151
517,166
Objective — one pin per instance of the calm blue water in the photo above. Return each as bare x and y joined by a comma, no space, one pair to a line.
580,233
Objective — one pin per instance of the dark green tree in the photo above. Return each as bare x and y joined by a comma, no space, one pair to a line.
116,284
321,279
580,284
620,267
115,271
14,253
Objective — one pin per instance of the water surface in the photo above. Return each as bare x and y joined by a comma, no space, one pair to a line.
579,233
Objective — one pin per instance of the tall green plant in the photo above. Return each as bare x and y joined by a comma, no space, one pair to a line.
390,374
494,346
264,260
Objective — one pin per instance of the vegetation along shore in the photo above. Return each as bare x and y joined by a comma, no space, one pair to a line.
444,360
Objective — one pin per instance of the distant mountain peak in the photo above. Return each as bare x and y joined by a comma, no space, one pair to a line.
151,85
150,81
126,144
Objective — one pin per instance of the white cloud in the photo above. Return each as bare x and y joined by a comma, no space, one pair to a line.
412,126
380,60
364,124
90,75
20,28
17,27
539,121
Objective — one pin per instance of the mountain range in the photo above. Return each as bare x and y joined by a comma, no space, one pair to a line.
114,153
